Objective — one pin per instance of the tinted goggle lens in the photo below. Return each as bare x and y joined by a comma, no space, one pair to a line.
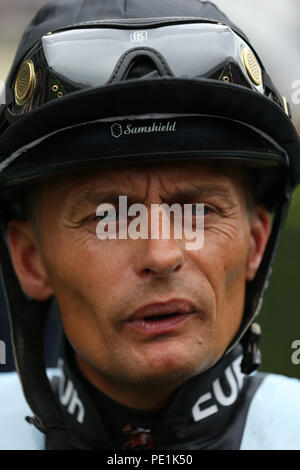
76,59
191,50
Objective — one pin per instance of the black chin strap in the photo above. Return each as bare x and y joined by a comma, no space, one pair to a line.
27,325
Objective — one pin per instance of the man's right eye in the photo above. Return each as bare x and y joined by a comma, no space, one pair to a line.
109,216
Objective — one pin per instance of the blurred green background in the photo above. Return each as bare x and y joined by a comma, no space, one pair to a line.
280,315
273,26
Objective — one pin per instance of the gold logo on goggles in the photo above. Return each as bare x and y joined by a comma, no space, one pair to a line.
252,66
25,82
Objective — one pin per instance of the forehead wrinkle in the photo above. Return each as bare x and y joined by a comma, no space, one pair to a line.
141,181
215,188
202,183
160,177
93,198
201,191
137,182
87,199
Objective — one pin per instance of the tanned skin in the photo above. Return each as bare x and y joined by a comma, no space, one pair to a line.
99,284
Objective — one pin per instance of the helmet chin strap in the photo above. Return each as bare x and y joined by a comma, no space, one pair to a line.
251,353
27,327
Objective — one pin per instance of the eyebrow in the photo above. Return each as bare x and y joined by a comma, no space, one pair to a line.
201,191
93,198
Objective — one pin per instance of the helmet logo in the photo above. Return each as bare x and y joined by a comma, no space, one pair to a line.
139,36
116,130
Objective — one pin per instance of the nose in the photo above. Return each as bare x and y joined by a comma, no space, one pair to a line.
159,257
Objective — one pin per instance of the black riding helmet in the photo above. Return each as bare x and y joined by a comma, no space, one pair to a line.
92,83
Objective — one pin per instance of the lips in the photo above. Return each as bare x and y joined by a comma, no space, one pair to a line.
161,317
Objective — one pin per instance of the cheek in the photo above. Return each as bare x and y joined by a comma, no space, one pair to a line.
235,271
85,269
223,260
234,278
232,289
86,276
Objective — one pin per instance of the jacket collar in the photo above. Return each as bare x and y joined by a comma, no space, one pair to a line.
197,415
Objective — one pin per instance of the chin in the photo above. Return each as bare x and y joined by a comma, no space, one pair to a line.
173,368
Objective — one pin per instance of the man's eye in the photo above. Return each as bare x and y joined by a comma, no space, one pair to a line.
208,210
199,210
108,216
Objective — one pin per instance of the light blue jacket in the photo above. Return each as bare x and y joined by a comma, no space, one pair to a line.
273,419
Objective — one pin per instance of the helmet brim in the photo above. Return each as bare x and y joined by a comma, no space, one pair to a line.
54,127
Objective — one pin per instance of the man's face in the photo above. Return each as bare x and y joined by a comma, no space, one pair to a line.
100,284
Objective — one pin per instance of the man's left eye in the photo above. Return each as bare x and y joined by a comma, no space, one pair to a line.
200,210
208,210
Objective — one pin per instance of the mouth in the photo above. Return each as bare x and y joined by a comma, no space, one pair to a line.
162,317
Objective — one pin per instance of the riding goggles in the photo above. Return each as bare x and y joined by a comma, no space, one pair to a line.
75,59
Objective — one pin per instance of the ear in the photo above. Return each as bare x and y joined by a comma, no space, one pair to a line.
260,225
27,260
